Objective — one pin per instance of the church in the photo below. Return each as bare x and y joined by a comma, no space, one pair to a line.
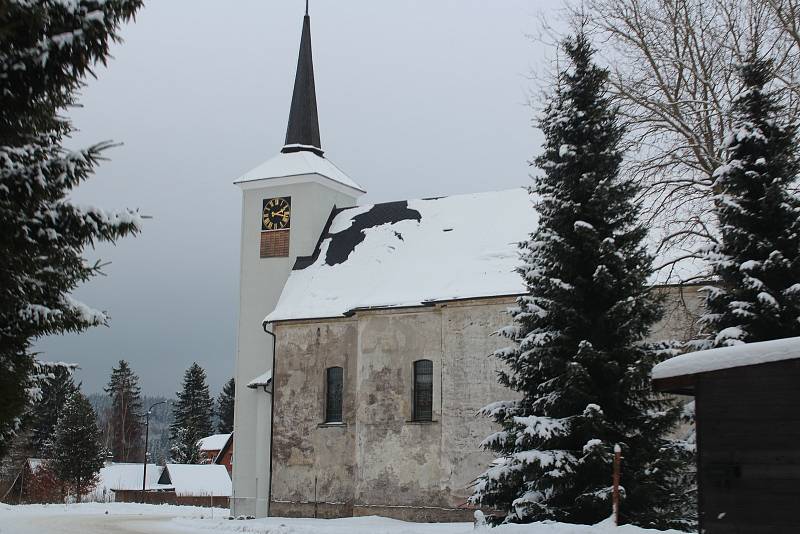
364,334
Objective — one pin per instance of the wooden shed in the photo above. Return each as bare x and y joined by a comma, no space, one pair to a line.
747,409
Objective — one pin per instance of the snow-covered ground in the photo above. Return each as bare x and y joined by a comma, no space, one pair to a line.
100,518
128,518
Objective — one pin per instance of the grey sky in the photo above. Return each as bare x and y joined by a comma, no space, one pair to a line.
416,98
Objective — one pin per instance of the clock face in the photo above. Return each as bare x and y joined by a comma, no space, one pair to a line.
276,213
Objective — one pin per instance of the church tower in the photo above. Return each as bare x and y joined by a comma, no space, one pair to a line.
285,205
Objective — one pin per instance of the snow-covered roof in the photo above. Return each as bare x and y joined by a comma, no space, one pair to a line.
299,163
198,480
413,252
728,357
127,476
261,380
213,443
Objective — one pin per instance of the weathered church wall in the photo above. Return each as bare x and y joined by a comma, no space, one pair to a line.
380,461
313,461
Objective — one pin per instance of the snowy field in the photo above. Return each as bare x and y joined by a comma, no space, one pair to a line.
127,518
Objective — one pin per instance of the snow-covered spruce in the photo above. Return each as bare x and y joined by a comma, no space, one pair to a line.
757,258
225,404
77,454
47,49
578,360
192,417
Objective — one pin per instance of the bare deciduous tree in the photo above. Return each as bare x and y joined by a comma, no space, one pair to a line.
673,73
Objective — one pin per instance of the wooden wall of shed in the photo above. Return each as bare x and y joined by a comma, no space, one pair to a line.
748,422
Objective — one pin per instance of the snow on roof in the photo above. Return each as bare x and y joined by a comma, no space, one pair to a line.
298,164
409,253
127,476
213,443
729,357
261,380
199,480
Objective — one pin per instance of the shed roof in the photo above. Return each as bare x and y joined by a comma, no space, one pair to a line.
263,379
706,361
413,252
197,480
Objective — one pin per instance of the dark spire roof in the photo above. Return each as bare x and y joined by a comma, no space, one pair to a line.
302,134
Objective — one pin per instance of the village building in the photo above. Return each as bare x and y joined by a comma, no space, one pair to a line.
211,446
192,485
366,330
748,430
225,455
123,482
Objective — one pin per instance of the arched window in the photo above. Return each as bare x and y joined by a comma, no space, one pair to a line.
333,394
423,390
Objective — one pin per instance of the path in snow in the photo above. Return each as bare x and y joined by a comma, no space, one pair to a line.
87,524
91,518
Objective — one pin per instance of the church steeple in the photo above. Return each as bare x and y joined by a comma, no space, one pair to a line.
302,133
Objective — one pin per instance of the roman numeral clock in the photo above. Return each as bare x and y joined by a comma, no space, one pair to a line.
276,218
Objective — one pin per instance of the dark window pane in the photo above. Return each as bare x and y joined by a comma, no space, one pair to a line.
423,390
333,400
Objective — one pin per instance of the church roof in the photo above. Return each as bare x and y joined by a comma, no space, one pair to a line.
414,252
411,252
286,165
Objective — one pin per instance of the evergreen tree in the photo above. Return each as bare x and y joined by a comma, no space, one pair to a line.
757,259
185,449
578,361
225,403
127,441
77,454
193,412
46,50
56,391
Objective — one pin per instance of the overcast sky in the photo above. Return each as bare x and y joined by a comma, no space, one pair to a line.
416,98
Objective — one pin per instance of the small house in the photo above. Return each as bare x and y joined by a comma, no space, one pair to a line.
747,408
196,485
122,482
225,455
210,447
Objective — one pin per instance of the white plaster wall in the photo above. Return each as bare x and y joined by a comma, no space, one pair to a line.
397,467
261,283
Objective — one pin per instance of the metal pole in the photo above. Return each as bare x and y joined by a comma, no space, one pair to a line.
615,483
144,460
147,445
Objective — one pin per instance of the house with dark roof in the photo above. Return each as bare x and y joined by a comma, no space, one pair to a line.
364,332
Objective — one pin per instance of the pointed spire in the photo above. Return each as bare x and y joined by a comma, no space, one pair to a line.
302,134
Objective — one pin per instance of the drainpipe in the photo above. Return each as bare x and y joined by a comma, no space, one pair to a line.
271,419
